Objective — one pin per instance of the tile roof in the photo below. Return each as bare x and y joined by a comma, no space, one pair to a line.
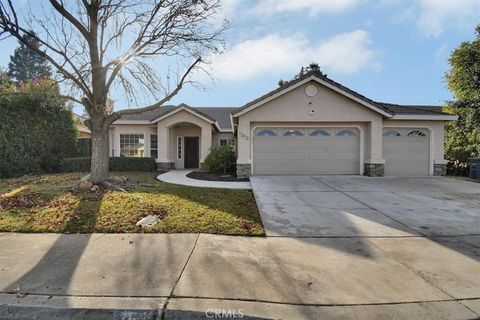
412,109
220,114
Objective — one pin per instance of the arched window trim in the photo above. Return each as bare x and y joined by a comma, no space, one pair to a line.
351,133
292,133
392,133
321,133
266,133
416,133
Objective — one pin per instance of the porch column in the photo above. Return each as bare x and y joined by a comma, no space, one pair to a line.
163,160
374,165
205,143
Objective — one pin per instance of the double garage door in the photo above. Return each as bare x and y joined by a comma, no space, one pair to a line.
306,151
337,151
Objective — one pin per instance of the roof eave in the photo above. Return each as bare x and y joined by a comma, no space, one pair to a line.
184,108
439,117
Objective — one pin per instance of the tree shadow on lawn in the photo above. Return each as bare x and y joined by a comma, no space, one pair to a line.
53,272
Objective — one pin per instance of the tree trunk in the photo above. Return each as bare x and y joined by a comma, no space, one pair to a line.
99,164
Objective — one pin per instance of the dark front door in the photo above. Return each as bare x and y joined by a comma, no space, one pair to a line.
191,152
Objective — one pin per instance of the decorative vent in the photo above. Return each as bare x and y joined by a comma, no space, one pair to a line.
311,91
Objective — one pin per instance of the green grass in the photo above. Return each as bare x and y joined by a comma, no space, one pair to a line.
47,203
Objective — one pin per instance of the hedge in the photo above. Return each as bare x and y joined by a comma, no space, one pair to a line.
36,131
115,164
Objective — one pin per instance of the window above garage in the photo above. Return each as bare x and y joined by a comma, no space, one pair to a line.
346,133
319,133
416,133
292,133
266,133
392,133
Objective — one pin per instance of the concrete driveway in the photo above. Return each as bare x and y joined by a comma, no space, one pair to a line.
353,206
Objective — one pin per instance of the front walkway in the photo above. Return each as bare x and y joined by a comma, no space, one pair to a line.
180,177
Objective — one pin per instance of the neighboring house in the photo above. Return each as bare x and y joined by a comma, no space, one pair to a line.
84,137
311,125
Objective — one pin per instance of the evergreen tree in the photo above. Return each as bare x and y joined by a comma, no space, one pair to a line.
462,140
25,64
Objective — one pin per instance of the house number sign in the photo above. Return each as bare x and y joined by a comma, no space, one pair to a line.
243,135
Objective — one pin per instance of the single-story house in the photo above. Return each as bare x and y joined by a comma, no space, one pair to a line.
84,137
310,125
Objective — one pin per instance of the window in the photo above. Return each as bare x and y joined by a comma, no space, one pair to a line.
292,133
224,142
132,145
416,133
154,146
266,133
179,148
319,133
391,133
346,133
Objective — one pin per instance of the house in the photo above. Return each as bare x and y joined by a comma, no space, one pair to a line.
311,125
84,137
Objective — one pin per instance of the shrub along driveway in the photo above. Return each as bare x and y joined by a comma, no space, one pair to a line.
47,204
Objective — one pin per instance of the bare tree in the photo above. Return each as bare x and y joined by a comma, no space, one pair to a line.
99,47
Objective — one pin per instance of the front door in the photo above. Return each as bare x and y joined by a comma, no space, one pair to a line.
191,152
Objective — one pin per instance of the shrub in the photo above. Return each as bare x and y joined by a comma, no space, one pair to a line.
132,164
115,164
221,159
36,129
75,164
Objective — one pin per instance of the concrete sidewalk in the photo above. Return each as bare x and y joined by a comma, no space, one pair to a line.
191,276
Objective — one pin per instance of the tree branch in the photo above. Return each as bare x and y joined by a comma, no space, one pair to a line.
177,89
80,27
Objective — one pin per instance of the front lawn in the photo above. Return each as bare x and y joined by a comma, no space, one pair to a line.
47,203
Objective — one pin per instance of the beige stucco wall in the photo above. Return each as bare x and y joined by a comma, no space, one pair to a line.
182,124
329,108
181,117
437,133
117,130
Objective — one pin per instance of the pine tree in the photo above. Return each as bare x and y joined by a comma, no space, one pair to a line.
25,64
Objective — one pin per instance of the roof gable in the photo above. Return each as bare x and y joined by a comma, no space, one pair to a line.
321,79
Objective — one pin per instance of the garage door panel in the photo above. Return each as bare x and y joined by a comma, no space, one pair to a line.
322,153
300,156
319,156
406,154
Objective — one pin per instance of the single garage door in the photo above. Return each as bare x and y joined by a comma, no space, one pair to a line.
306,151
406,151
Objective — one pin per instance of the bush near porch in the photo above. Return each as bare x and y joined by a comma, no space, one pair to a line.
46,203
221,159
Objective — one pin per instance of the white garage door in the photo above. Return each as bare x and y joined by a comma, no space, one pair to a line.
306,151
406,151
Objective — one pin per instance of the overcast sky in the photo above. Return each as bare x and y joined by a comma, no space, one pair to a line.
389,50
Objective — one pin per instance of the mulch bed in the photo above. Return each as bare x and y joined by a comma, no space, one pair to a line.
211,176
